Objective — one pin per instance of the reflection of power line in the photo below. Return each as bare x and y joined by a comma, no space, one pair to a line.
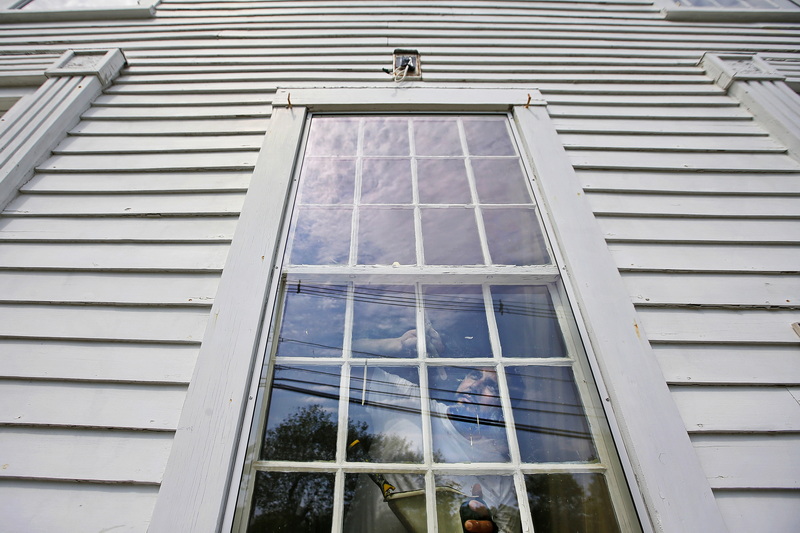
399,298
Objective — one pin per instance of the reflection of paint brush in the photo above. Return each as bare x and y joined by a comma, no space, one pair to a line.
385,486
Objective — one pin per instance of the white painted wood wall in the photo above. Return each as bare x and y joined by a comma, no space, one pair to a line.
110,255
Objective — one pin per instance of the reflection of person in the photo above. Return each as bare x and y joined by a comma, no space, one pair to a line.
405,344
466,424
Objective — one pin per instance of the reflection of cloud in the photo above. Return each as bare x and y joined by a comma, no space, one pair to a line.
386,236
321,237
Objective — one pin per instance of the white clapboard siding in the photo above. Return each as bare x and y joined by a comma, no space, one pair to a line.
177,325
90,405
85,455
64,506
97,361
678,143
750,462
124,257
759,511
708,230
706,257
148,229
171,126
145,182
720,183
738,409
151,162
648,127
655,289
108,288
648,112
161,143
772,326
127,204
694,205
198,111
728,364
688,161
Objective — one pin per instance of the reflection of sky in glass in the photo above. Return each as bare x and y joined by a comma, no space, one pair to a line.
527,322
386,236
443,181
514,237
386,136
327,180
436,136
488,136
383,312
450,237
321,237
333,136
571,502
500,181
550,421
458,315
386,181
313,320
391,411
302,396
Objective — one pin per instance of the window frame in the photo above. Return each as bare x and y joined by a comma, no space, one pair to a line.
673,11
200,484
10,11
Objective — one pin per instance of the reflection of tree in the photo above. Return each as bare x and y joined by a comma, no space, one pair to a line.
570,503
298,502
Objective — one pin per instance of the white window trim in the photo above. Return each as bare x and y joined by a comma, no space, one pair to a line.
672,11
673,493
9,12
35,124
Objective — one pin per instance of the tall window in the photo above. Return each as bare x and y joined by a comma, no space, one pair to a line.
425,368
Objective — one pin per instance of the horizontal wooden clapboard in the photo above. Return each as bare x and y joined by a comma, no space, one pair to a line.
107,362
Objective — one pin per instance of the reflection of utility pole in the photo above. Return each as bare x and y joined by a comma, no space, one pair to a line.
385,486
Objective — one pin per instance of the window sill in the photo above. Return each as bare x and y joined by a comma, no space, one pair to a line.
694,14
107,13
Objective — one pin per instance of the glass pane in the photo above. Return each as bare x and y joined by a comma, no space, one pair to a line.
549,418
321,236
386,136
384,321
514,237
385,425
466,417
313,320
443,245
325,180
488,136
302,418
292,503
457,317
500,181
386,181
570,503
488,499
527,322
386,236
443,181
366,510
332,136
436,136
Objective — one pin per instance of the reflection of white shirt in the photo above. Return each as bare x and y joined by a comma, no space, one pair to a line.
369,513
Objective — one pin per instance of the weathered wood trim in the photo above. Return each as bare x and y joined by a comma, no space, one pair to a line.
30,131
670,478
9,12
194,490
752,81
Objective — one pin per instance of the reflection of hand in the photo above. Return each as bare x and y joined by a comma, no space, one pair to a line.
408,340
433,340
480,519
